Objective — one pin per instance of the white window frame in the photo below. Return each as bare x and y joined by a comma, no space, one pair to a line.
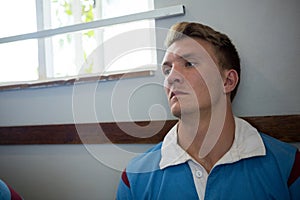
43,33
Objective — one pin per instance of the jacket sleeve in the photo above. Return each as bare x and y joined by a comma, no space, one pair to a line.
294,178
124,191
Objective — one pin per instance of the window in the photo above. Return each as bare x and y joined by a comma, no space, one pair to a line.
19,60
78,46
55,39
64,55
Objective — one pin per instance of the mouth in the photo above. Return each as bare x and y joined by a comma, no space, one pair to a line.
175,94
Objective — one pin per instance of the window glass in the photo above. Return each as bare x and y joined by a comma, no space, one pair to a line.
70,51
66,54
116,8
10,20
20,62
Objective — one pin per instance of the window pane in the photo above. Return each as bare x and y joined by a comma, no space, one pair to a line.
64,55
136,58
64,63
70,51
10,20
115,8
68,12
19,61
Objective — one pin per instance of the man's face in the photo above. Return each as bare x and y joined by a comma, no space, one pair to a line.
193,82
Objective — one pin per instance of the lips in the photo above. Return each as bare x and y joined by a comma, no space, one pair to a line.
176,94
172,95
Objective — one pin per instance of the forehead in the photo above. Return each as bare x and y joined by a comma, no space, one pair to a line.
190,47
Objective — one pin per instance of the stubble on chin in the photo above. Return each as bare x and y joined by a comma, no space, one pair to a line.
176,111
177,114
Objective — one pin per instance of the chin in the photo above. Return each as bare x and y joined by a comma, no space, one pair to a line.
188,111
177,114
176,111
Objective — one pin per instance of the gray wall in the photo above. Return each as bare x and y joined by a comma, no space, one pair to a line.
266,33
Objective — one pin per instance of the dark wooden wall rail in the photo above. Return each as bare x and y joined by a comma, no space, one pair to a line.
283,127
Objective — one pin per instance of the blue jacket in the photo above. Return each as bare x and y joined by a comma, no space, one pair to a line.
273,176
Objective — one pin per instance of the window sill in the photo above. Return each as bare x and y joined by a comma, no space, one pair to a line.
64,81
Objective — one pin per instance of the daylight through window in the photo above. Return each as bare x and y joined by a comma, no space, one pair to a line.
64,55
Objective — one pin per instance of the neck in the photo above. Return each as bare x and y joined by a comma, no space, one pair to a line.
208,138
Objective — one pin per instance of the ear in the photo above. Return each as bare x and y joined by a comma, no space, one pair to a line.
231,79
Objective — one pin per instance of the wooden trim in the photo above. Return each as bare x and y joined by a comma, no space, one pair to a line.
285,128
282,127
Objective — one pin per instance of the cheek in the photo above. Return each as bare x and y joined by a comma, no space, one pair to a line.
167,90
202,89
197,83
165,83
210,79
167,87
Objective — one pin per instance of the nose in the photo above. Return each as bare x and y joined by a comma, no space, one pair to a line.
175,75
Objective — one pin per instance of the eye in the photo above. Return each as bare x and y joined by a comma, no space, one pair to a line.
190,64
166,70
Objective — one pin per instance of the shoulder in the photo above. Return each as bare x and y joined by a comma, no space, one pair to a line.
7,192
278,148
4,191
284,155
139,170
146,162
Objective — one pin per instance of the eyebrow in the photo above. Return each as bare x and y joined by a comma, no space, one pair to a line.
184,57
190,55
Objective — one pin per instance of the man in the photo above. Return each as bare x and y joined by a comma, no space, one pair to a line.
209,153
